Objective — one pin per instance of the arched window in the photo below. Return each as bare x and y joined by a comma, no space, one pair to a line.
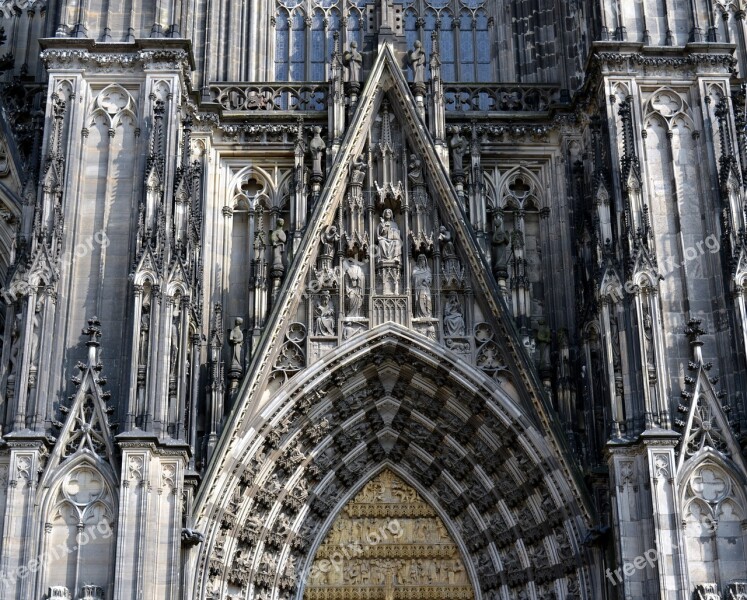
466,47
431,18
482,44
298,46
355,27
282,45
318,51
447,47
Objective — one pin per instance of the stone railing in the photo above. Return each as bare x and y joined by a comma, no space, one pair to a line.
459,97
251,97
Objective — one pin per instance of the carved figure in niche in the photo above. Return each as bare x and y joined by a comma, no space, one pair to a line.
459,147
500,243
144,335
329,237
317,147
417,62
389,238
15,344
648,334
543,337
278,239
447,246
359,170
614,332
174,349
353,60
453,316
422,279
355,281
325,316
236,339
36,332
415,172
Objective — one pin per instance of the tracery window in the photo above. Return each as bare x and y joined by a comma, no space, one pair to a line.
304,35
463,36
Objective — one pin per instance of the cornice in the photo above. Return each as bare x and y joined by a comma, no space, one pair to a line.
631,56
147,54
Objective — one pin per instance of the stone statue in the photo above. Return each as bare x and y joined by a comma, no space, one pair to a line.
325,316
317,148
359,170
36,332
447,246
328,238
389,238
15,343
453,317
278,239
417,62
422,279
543,337
459,147
415,173
174,348
500,243
353,60
355,281
236,339
144,335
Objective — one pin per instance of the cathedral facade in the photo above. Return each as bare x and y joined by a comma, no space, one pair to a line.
373,299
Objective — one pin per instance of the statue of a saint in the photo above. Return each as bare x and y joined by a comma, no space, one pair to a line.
317,147
353,60
144,335
447,246
328,238
543,337
415,173
359,170
417,62
36,332
500,243
174,348
422,279
453,317
325,316
355,283
278,239
459,147
236,339
389,238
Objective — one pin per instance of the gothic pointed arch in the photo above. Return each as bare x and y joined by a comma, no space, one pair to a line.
387,535
77,530
390,396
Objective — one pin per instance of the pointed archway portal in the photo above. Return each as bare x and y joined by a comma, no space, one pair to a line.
388,543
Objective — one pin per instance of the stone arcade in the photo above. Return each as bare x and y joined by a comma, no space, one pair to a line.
373,300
